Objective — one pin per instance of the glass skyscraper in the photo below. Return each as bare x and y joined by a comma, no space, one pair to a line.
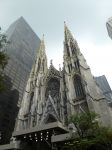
21,50
23,45
105,87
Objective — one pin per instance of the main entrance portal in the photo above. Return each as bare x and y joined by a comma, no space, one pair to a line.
39,138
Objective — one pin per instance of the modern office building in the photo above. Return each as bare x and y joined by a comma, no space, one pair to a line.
105,87
8,111
23,45
109,27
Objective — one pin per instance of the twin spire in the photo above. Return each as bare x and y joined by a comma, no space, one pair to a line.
67,37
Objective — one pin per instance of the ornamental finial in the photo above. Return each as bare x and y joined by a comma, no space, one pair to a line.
59,67
51,62
43,37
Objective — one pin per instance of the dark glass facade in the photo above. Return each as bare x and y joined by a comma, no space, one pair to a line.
105,87
8,111
22,49
23,46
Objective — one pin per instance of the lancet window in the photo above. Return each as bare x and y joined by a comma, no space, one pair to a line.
69,67
53,88
78,87
76,63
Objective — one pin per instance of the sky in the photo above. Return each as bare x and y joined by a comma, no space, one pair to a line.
85,18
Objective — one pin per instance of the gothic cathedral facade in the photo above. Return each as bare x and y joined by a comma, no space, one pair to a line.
53,95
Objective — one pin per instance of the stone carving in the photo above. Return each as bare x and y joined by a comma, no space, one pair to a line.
57,94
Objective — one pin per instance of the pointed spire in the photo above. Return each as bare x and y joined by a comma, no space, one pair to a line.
59,67
51,62
42,46
67,32
70,41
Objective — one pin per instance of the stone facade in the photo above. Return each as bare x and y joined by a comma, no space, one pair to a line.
53,95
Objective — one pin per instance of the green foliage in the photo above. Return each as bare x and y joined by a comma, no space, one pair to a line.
85,123
91,136
3,58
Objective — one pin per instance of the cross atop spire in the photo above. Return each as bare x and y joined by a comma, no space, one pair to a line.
51,62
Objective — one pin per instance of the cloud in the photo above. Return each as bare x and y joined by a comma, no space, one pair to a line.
85,18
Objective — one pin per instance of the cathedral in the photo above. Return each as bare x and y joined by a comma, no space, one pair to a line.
52,96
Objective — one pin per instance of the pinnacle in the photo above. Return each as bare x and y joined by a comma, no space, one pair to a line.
67,32
42,46
43,37
65,26
51,62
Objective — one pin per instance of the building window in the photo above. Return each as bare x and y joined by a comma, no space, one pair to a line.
71,66
68,68
68,52
76,63
53,88
78,87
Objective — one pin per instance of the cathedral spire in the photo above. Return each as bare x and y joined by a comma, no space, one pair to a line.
67,33
41,60
42,46
70,44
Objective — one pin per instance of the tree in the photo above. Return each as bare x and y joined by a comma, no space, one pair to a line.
90,136
3,58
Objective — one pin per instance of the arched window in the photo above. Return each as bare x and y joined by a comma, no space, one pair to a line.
69,67
76,63
78,87
53,88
